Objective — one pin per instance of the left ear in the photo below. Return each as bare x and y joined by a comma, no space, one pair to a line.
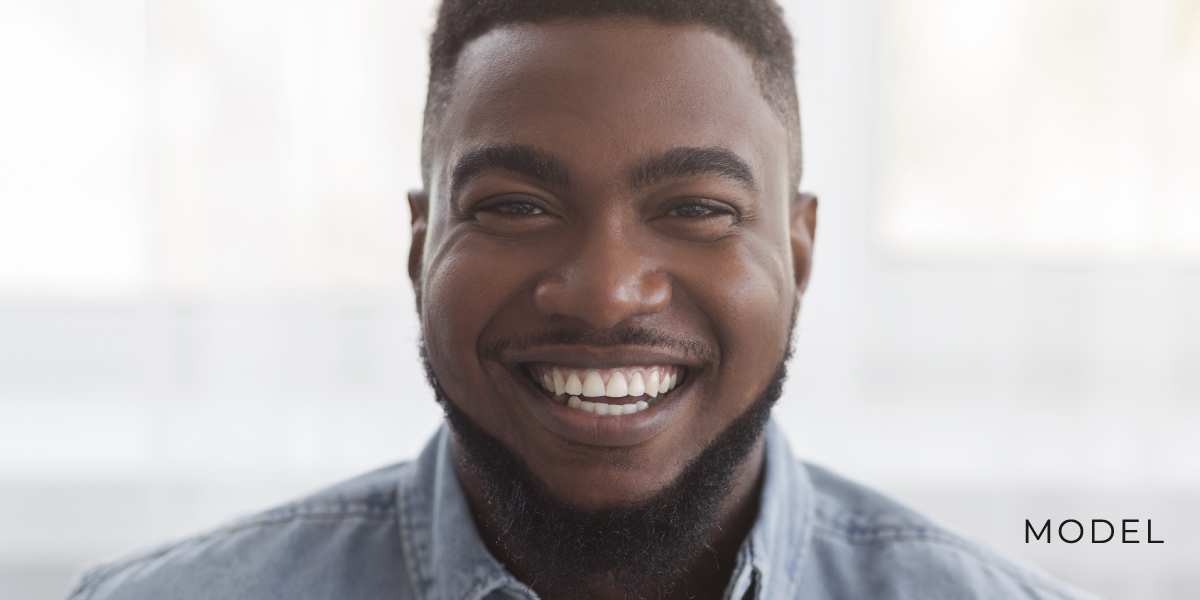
803,230
418,205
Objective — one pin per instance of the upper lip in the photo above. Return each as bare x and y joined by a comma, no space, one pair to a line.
596,357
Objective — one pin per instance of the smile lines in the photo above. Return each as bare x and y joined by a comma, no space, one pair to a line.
636,384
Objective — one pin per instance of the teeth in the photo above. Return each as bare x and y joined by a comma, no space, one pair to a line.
652,385
636,386
616,386
573,387
605,409
623,382
560,386
593,386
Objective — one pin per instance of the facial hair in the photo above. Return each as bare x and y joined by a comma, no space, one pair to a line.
643,548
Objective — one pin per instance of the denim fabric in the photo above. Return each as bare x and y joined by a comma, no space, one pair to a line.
405,533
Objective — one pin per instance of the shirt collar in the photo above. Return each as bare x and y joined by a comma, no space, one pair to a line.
445,556
771,559
448,560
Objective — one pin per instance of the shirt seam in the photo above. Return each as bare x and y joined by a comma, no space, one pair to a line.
411,560
810,525
797,574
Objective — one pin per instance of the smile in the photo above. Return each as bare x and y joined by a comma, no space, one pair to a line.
631,389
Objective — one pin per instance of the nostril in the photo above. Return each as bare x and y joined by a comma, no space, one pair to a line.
602,300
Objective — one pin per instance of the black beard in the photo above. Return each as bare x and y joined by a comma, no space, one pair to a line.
642,548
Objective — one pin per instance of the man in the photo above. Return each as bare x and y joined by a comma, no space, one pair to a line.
609,255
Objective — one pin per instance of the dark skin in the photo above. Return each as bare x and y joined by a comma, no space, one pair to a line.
713,258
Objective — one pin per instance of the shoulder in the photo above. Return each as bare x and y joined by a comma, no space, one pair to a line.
868,545
340,542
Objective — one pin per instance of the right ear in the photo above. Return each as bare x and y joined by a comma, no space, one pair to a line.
418,205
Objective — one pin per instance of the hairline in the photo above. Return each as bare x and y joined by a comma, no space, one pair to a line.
785,107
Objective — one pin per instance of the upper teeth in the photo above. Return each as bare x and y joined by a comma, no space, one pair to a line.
629,382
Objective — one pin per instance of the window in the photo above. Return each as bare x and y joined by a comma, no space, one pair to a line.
1042,130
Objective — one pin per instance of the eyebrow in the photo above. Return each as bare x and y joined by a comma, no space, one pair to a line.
524,160
682,162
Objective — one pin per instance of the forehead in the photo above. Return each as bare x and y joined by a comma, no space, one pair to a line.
600,92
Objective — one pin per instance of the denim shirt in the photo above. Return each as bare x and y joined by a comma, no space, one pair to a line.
406,533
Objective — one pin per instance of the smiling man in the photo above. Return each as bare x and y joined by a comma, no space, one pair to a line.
609,254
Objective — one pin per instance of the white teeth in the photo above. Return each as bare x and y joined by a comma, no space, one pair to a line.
636,386
593,386
572,386
560,386
652,384
606,409
581,394
616,386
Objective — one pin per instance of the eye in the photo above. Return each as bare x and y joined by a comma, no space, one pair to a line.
699,219
513,215
692,211
518,208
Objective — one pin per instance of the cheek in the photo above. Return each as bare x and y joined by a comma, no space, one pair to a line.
464,288
746,296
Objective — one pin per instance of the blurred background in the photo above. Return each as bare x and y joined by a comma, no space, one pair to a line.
204,309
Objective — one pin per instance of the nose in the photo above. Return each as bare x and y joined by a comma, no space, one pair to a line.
605,280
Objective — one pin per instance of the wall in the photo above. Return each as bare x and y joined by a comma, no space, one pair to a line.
203,307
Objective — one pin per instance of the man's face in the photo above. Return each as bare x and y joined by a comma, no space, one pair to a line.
607,195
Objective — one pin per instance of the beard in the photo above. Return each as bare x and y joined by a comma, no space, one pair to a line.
640,548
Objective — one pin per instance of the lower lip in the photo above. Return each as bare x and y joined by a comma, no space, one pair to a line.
583,427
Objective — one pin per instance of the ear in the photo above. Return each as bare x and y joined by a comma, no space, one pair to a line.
418,205
803,231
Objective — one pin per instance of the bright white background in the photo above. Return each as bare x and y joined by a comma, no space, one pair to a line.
203,306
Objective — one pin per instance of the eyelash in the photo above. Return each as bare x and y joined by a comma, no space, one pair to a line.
506,207
705,208
526,208
709,209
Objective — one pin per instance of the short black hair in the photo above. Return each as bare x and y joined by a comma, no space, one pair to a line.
756,25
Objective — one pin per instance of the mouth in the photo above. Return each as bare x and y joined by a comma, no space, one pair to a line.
610,391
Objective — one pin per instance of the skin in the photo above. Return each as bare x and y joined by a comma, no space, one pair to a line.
703,258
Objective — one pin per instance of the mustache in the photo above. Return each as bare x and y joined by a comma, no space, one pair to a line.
626,336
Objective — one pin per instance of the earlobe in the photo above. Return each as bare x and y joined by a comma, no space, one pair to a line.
418,206
803,232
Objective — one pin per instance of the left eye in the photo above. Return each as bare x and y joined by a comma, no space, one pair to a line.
691,210
520,208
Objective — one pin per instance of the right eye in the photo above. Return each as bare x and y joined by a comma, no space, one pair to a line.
513,215
519,208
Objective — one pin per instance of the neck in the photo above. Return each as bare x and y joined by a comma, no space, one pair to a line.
706,576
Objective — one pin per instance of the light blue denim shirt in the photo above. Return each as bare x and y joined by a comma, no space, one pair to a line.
406,533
